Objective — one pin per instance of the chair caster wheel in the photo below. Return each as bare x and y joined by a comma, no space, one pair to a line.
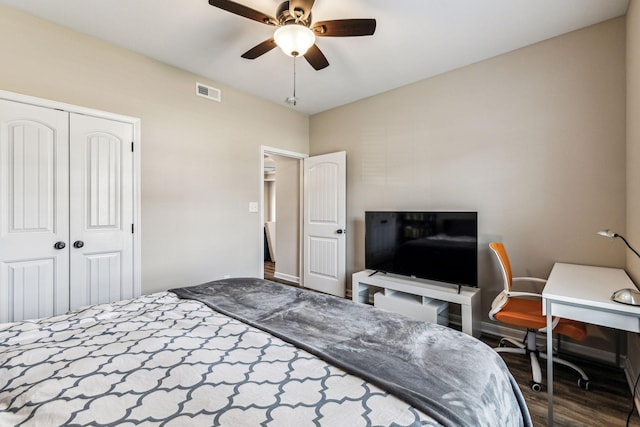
583,384
535,386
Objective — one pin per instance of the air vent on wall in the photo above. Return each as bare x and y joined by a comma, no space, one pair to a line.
208,92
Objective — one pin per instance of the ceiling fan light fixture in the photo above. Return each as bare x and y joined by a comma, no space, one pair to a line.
294,39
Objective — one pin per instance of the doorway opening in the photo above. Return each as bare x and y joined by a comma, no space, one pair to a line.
281,215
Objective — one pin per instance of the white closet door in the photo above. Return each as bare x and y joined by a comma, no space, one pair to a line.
34,204
101,192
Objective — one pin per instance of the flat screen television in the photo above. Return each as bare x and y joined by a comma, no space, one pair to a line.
439,246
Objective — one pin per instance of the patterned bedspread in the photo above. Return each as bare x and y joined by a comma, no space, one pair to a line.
161,360
165,361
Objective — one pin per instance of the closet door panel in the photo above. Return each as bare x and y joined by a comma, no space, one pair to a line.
31,294
103,271
101,193
34,199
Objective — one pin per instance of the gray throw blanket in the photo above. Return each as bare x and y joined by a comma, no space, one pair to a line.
448,375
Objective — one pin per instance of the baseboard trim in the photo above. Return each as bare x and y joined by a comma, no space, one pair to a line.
287,277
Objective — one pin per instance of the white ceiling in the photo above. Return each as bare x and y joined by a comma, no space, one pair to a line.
414,39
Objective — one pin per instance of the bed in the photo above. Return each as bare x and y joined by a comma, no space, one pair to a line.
249,352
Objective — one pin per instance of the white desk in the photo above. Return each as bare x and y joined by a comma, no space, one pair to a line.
583,293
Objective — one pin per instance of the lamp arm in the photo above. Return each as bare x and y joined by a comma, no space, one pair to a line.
628,245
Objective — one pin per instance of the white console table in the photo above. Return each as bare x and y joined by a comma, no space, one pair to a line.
468,298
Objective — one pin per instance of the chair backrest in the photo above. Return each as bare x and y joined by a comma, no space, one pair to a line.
501,253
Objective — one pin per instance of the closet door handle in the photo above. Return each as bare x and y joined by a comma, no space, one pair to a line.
59,245
78,244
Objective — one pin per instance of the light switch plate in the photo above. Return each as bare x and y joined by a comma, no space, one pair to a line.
253,206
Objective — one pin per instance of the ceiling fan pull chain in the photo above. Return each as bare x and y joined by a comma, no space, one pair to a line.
292,99
294,81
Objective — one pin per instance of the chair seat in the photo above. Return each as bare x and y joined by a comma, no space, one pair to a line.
527,313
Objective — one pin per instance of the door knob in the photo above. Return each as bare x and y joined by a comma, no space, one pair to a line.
78,244
59,245
341,231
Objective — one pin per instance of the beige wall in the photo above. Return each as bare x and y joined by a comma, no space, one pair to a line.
633,158
633,136
200,159
534,140
288,216
269,201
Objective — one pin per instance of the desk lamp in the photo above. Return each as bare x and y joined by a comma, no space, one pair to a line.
628,295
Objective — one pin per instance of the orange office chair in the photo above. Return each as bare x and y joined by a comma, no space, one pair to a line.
524,309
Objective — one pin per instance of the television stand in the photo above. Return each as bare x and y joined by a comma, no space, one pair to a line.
468,298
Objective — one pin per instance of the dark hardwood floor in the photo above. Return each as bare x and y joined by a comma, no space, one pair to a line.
607,402
269,270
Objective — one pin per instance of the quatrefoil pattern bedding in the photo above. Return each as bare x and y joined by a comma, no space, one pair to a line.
160,360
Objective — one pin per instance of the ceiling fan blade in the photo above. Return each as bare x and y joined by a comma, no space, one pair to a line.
300,8
243,11
345,27
260,49
316,58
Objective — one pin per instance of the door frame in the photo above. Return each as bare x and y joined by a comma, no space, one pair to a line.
137,235
284,153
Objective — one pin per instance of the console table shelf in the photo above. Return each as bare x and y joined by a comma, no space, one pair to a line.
468,298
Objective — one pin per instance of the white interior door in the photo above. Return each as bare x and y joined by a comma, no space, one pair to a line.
324,225
101,193
34,205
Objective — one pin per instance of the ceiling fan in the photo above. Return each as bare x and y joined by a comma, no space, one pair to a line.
295,34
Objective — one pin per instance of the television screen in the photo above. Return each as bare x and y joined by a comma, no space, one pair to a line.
440,246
